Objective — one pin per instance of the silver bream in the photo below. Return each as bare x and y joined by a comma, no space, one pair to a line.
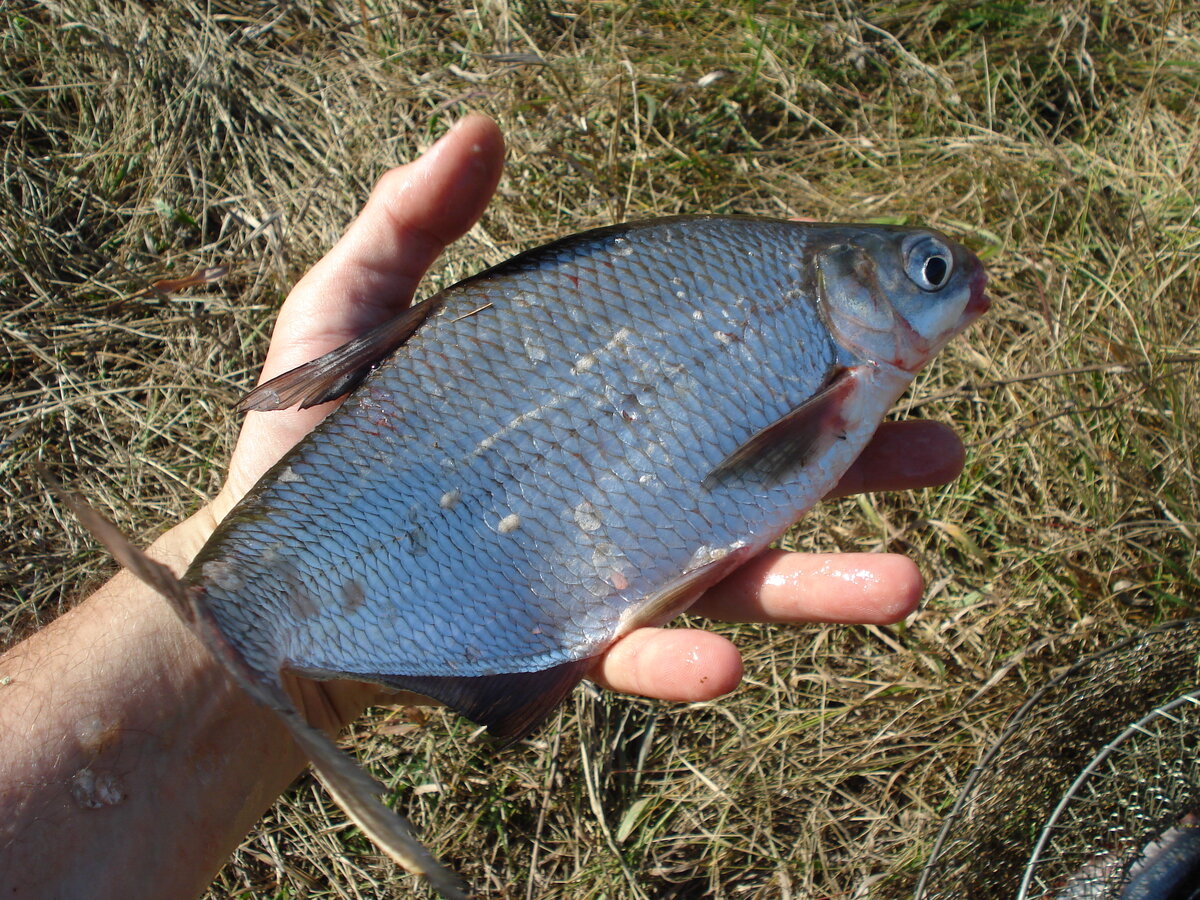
549,454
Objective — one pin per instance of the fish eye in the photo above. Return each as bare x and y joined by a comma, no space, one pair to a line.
928,263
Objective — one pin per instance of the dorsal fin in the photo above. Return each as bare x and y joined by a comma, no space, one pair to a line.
788,443
339,371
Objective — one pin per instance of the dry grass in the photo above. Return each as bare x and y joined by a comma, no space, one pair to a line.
1059,139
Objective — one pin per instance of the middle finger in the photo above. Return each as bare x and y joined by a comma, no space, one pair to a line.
851,588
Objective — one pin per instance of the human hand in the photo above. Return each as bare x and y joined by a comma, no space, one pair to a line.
371,273
688,664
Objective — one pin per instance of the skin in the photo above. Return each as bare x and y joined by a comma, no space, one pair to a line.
121,739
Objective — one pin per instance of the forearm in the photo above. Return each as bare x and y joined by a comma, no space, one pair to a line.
130,765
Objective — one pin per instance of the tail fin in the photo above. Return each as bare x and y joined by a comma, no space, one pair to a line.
152,572
351,787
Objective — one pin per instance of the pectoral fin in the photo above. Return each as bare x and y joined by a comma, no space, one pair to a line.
339,371
785,445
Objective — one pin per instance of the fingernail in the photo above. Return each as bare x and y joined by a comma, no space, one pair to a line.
918,457
932,455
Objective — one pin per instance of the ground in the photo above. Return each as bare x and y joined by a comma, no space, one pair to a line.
1059,140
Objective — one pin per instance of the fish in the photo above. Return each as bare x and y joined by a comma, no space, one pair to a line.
1166,868
1169,866
547,455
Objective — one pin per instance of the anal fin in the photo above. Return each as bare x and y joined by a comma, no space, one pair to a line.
511,705
339,371
788,443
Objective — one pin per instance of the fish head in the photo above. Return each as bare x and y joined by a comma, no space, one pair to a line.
895,296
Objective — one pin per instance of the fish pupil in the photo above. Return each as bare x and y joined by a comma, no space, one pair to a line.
936,269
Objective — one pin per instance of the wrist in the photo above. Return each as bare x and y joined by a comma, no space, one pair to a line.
122,737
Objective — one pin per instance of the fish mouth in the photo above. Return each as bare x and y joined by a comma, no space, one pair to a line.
979,302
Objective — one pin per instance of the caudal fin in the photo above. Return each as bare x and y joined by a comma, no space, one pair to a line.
356,792
152,572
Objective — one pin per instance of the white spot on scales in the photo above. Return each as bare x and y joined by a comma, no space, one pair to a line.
587,517
589,360
535,350
554,400
705,554
620,247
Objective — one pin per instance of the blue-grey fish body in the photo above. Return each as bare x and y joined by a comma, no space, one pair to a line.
570,445
1166,868
1169,867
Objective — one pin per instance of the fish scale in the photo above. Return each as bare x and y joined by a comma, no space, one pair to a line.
496,437
552,453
